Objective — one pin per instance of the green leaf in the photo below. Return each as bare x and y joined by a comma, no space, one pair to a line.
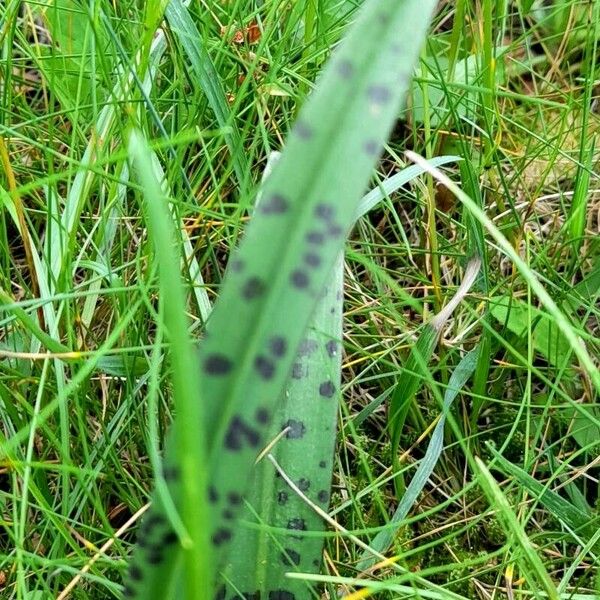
308,410
272,287
260,556
188,445
518,316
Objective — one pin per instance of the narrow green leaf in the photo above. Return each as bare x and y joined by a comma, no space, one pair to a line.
572,516
534,565
207,79
272,287
458,380
415,370
395,182
260,559
189,445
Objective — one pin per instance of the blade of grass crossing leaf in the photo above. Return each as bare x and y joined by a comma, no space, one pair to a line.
393,183
458,380
535,566
288,253
307,413
190,445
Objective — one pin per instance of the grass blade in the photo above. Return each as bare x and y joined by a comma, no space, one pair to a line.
393,183
272,288
415,369
575,518
458,380
189,446
208,80
515,529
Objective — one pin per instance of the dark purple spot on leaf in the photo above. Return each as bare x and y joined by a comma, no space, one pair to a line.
150,523
322,464
221,536
262,416
253,288
327,389
135,573
296,429
303,131
213,497
345,69
264,366
154,557
275,204
278,346
290,557
323,496
324,211
307,347
332,348
379,94
315,237
312,260
297,524
234,498
228,514
371,148
170,538
171,473
299,279
298,371
238,433
303,485
335,230
282,497
236,265
217,364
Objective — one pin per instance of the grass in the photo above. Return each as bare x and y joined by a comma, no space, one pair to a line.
94,359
